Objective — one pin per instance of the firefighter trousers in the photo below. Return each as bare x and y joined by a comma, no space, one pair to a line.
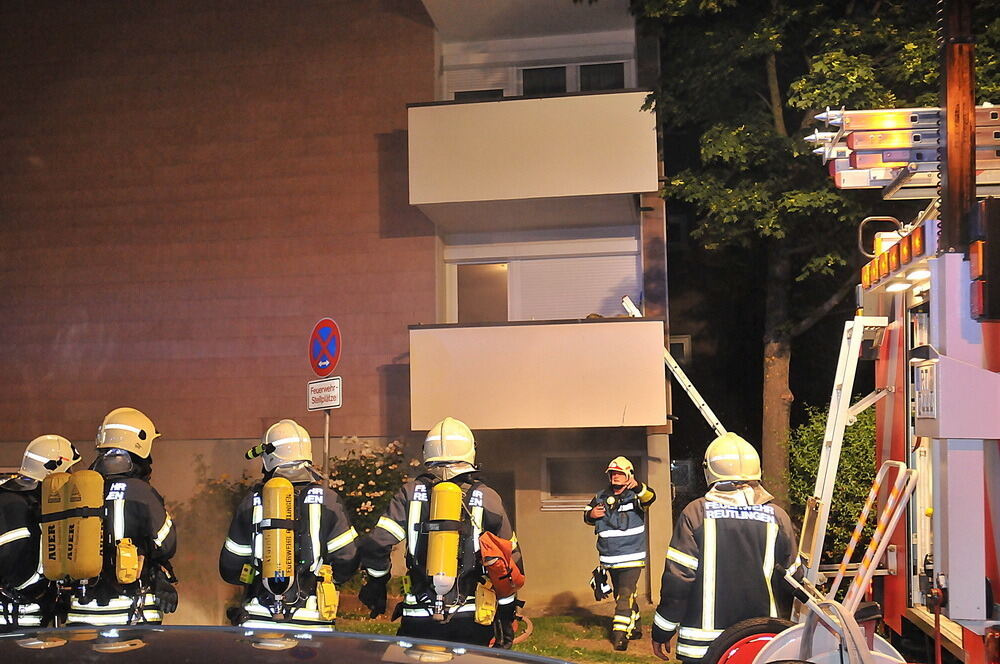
624,581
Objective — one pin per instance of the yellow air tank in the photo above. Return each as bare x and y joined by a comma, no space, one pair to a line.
53,529
84,537
278,532
442,539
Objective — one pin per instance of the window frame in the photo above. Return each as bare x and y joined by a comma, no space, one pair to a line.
577,502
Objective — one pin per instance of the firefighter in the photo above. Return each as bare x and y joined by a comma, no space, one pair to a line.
618,515
136,581
430,608
317,542
720,566
27,599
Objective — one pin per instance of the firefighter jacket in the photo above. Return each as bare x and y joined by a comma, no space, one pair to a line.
405,521
324,536
621,532
134,510
720,570
21,582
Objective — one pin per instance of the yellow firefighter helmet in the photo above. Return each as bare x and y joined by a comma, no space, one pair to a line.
622,465
46,455
286,441
729,458
449,441
127,429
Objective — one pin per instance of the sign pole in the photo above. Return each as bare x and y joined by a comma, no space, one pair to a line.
326,446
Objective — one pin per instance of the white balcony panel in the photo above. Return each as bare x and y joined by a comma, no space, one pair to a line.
582,154
601,373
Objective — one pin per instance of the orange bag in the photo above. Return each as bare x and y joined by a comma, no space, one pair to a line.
505,576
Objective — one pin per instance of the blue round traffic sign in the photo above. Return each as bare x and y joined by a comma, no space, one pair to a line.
325,345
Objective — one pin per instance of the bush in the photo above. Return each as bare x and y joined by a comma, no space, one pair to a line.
366,477
854,476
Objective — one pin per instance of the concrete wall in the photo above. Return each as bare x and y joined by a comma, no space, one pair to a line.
560,550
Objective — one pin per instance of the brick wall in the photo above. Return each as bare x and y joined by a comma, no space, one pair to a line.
186,188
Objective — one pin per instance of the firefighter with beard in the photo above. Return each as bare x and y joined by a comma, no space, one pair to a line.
618,515
290,542
441,603
27,599
136,581
720,566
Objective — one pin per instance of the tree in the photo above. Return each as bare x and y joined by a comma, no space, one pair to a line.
746,78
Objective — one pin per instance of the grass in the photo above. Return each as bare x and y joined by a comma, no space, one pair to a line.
580,636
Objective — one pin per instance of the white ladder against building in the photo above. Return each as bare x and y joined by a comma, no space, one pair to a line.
681,377
840,416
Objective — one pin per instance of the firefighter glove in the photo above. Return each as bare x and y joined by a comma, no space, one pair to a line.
503,626
373,594
164,591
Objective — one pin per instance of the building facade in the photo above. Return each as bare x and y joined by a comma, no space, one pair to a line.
189,187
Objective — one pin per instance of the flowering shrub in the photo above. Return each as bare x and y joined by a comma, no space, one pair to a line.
367,476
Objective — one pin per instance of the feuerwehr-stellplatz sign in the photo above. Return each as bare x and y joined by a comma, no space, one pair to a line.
325,346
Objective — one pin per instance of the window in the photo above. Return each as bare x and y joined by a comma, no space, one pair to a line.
543,81
482,293
570,481
605,76
680,349
479,95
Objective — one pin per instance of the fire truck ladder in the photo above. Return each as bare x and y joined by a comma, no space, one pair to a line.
839,417
681,377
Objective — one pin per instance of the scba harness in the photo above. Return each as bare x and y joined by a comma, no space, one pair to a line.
443,521
80,534
288,582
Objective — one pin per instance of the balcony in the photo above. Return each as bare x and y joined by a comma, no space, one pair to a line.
552,374
532,163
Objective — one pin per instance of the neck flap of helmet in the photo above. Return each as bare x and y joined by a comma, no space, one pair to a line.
296,472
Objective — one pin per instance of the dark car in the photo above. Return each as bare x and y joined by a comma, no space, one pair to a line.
225,645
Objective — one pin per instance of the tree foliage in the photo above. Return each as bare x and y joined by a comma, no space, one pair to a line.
747,77
854,476
742,80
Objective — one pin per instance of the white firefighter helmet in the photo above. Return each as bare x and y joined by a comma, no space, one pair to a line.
450,441
48,454
622,465
729,458
285,442
127,429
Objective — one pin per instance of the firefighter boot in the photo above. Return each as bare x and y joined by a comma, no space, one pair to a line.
620,640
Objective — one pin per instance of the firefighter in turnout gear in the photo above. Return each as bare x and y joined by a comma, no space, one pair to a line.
720,566
27,598
618,515
290,542
135,583
441,517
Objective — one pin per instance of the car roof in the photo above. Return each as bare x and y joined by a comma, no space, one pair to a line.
225,645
